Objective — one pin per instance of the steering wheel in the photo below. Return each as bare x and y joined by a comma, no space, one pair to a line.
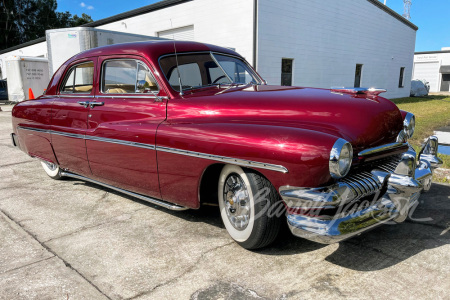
223,76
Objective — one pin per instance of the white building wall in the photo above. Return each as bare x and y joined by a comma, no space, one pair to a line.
328,38
37,50
427,67
223,23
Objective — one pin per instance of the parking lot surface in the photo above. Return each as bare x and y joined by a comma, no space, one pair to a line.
74,240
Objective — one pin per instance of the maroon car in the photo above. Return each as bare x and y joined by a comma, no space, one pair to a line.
186,124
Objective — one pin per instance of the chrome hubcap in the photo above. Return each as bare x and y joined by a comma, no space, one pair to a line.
236,201
51,166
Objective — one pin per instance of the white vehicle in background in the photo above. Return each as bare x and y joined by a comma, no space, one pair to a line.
24,73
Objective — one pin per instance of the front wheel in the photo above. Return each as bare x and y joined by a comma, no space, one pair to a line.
248,207
52,170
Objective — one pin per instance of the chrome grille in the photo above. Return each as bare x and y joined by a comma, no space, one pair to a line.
362,184
388,165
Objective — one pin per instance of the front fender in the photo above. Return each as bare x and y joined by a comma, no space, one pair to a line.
304,153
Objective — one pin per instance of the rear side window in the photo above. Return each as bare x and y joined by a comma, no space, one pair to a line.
127,77
79,80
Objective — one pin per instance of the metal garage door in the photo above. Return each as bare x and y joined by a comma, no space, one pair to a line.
181,33
428,71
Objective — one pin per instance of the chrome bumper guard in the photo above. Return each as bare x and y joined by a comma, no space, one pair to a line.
362,201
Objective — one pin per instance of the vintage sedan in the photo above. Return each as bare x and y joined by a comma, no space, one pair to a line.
183,124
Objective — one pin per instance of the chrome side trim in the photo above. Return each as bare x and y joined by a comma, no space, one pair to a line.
139,196
66,134
92,138
234,161
32,129
230,160
382,148
120,142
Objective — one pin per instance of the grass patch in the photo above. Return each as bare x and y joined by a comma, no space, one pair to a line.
431,113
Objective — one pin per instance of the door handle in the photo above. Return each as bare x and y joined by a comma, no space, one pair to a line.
92,104
84,103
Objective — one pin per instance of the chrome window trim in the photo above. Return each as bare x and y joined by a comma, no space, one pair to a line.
144,96
100,90
230,160
212,54
382,148
220,66
245,62
64,81
75,96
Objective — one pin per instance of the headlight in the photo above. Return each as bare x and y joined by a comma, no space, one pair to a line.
341,157
409,124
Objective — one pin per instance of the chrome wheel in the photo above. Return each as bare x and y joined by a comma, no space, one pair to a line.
236,201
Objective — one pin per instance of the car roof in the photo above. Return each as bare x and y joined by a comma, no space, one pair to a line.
152,49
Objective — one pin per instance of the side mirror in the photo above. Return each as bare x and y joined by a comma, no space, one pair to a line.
140,86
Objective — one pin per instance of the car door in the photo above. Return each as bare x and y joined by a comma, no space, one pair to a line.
121,133
69,116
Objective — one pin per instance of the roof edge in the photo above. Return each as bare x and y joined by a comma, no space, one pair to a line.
29,43
136,12
393,13
432,52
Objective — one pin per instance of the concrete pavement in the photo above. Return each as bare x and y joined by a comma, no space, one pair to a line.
74,240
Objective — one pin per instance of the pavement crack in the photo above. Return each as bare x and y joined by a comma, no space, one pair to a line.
110,220
187,271
55,254
14,164
27,265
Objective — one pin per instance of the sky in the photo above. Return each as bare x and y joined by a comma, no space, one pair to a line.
432,17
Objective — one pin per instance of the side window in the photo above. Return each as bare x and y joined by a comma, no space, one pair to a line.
119,76
127,77
190,74
145,80
79,80
235,69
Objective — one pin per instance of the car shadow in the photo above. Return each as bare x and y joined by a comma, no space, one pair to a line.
383,247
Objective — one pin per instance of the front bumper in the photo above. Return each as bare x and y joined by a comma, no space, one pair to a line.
361,201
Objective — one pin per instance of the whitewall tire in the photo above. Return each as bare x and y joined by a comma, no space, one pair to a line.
52,170
247,201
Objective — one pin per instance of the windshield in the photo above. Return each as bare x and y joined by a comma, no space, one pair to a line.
206,69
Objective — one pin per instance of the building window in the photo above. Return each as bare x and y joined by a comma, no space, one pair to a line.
358,74
400,80
286,71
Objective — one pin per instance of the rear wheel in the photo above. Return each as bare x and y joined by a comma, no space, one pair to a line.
52,170
247,204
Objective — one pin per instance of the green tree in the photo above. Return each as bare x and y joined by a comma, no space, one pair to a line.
25,20
78,21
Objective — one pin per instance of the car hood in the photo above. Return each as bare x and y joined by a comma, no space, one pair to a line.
365,121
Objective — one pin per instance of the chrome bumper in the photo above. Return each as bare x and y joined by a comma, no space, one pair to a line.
362,201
